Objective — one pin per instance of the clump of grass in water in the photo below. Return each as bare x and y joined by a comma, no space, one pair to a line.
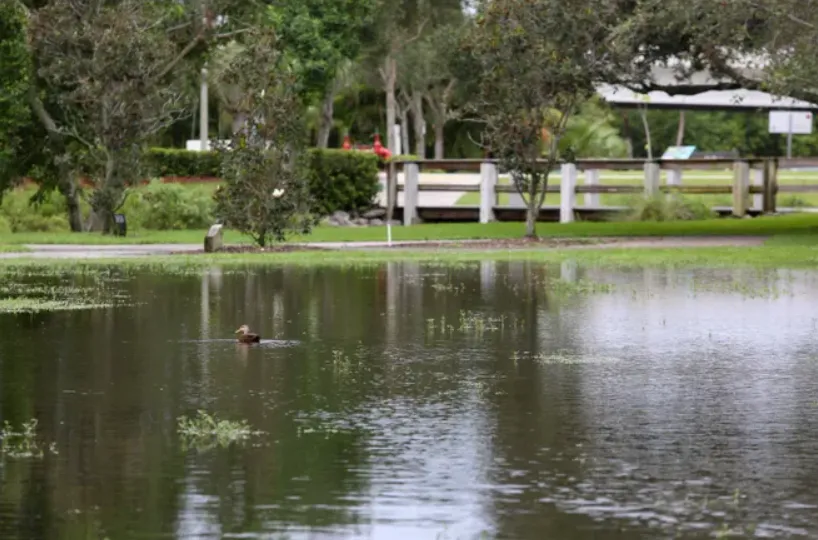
205,430
583,286
23,443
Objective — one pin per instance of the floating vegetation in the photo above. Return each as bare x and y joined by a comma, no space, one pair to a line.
22,296
472,323
564,358
23,443
206,431
582,286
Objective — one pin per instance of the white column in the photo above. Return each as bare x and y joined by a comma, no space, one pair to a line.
488,195
411,174
674,177
568,192
653,174
741,181
757,179
592,179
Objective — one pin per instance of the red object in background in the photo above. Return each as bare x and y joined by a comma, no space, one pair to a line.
377,147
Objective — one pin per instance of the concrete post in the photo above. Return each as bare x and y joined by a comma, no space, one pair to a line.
653,174
757,179
674,177
741,183
411,178
592,179
488,195
568,192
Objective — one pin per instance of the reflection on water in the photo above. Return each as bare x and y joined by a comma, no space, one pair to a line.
412,400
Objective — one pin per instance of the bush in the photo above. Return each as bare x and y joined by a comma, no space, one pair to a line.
338,179
177,162
20,215
5,226
170,206
344,180
663,208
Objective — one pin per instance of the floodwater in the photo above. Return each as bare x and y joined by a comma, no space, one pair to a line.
417,401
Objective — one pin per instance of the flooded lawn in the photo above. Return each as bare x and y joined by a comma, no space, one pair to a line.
410,400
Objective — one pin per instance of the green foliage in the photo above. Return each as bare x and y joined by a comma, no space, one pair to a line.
166,162
207,431
342,180
664,208
337,179
48,214
169,206
316,36
592,133
22,443
14,84
264,193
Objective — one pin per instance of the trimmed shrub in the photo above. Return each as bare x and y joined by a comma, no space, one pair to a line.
5,226
662,208
178,162
345,180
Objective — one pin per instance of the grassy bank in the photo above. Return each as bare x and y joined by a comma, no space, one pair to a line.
779,252
792,224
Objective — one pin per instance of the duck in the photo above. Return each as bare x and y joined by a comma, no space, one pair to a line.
246,336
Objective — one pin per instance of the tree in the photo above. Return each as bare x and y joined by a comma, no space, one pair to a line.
754,44
15,117
265,195
535,62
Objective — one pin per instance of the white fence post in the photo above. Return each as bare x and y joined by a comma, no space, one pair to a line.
741,183
674,177
653,175
592,179
488,195
411,175
758,180
568,192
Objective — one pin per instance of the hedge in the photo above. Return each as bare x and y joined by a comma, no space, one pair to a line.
339,179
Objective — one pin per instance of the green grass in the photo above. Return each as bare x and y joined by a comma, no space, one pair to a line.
691,178
779,252
805,223
12,248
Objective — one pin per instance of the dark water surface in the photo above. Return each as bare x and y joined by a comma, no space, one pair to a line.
420,401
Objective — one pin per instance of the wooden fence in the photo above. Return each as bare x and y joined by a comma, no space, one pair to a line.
754,184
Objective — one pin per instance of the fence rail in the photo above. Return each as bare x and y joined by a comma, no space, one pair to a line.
754,184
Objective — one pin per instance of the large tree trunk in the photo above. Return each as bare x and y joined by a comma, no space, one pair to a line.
404,130
439,140
419,125
390,76
239,122
680,133
68,189
325,121
531,217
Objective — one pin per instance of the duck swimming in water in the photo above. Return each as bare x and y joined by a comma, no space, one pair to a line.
245,336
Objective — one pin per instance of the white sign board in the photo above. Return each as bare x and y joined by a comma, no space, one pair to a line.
796,122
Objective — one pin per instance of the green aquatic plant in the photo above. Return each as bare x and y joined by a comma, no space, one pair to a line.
582,286
23,443
206,431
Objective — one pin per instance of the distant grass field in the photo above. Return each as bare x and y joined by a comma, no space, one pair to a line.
693,178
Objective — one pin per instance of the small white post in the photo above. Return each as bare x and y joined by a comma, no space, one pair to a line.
411,176
741,181
674,177
488,195
568,192
653,174
592,179
758,180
